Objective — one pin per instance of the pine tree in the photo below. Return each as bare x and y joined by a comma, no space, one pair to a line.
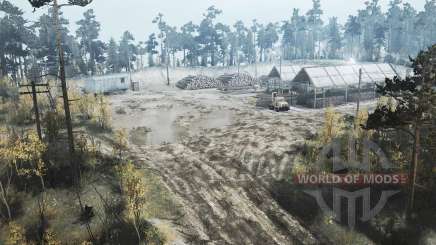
151,46
127,51
334,39
113,57
315,24
353,30
414,99
88,33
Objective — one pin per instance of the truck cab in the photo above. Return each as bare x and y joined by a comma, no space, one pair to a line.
278,103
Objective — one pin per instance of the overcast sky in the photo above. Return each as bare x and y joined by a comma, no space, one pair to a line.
116,16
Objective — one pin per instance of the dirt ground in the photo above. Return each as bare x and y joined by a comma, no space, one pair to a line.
218,154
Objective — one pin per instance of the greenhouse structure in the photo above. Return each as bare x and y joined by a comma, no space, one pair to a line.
333,85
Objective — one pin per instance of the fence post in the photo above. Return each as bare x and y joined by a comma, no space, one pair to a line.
323,98
346,94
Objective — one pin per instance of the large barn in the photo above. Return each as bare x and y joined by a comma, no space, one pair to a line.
331,85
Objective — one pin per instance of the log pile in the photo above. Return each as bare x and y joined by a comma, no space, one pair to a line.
197,82
236,81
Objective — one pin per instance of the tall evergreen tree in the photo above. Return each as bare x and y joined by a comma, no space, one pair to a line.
15,38
315,24
267,37
189,30
113,58
47,51
150,46
353,30
127,51
207,36
334,43
414,99
88,34
394,22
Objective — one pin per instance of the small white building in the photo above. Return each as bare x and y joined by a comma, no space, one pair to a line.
107,83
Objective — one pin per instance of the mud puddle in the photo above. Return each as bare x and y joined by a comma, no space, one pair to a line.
169,124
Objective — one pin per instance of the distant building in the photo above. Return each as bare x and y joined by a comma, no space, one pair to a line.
107,83
330,85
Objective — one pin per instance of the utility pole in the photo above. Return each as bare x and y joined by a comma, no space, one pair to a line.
35,76
35,107
254,29
239,62
66,101
167,64
358,97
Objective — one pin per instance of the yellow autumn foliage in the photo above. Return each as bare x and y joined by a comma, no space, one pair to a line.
16,235
50,238
121,142
27,149
133,189
103,114
361,119
334,126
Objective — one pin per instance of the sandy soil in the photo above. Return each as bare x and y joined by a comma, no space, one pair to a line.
218,153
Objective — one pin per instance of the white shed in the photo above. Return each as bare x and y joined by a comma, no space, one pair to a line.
107,83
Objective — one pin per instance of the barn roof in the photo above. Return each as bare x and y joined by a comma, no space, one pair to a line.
290,72
345,75
274,73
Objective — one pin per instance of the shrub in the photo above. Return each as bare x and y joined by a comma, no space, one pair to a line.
16,235
121,143
7,91
334,126
103,113
153,236
134,191
52,123
21,113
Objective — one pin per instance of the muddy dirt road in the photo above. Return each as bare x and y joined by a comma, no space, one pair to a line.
218,154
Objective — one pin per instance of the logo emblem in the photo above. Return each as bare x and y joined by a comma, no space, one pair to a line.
332,152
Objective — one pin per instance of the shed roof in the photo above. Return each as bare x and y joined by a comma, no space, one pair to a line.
106,77
274,73
345,75
289,72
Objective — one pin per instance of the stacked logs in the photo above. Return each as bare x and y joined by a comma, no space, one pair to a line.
236,81
197,82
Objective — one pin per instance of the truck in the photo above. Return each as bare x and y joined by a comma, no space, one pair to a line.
278,103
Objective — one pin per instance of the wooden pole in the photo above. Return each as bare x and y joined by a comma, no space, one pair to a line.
36,109
358,96
255,55
346,94
314,100
167,64
68,120
323,98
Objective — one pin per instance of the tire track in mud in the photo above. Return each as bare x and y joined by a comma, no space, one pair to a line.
221,180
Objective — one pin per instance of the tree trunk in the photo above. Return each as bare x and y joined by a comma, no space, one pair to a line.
68,120
5,200
184,57
3,68
413,170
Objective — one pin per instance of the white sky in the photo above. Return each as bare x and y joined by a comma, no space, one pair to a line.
116,16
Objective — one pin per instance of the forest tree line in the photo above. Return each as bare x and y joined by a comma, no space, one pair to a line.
368,35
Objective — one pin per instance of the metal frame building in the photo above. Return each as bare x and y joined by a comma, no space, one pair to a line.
339,81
